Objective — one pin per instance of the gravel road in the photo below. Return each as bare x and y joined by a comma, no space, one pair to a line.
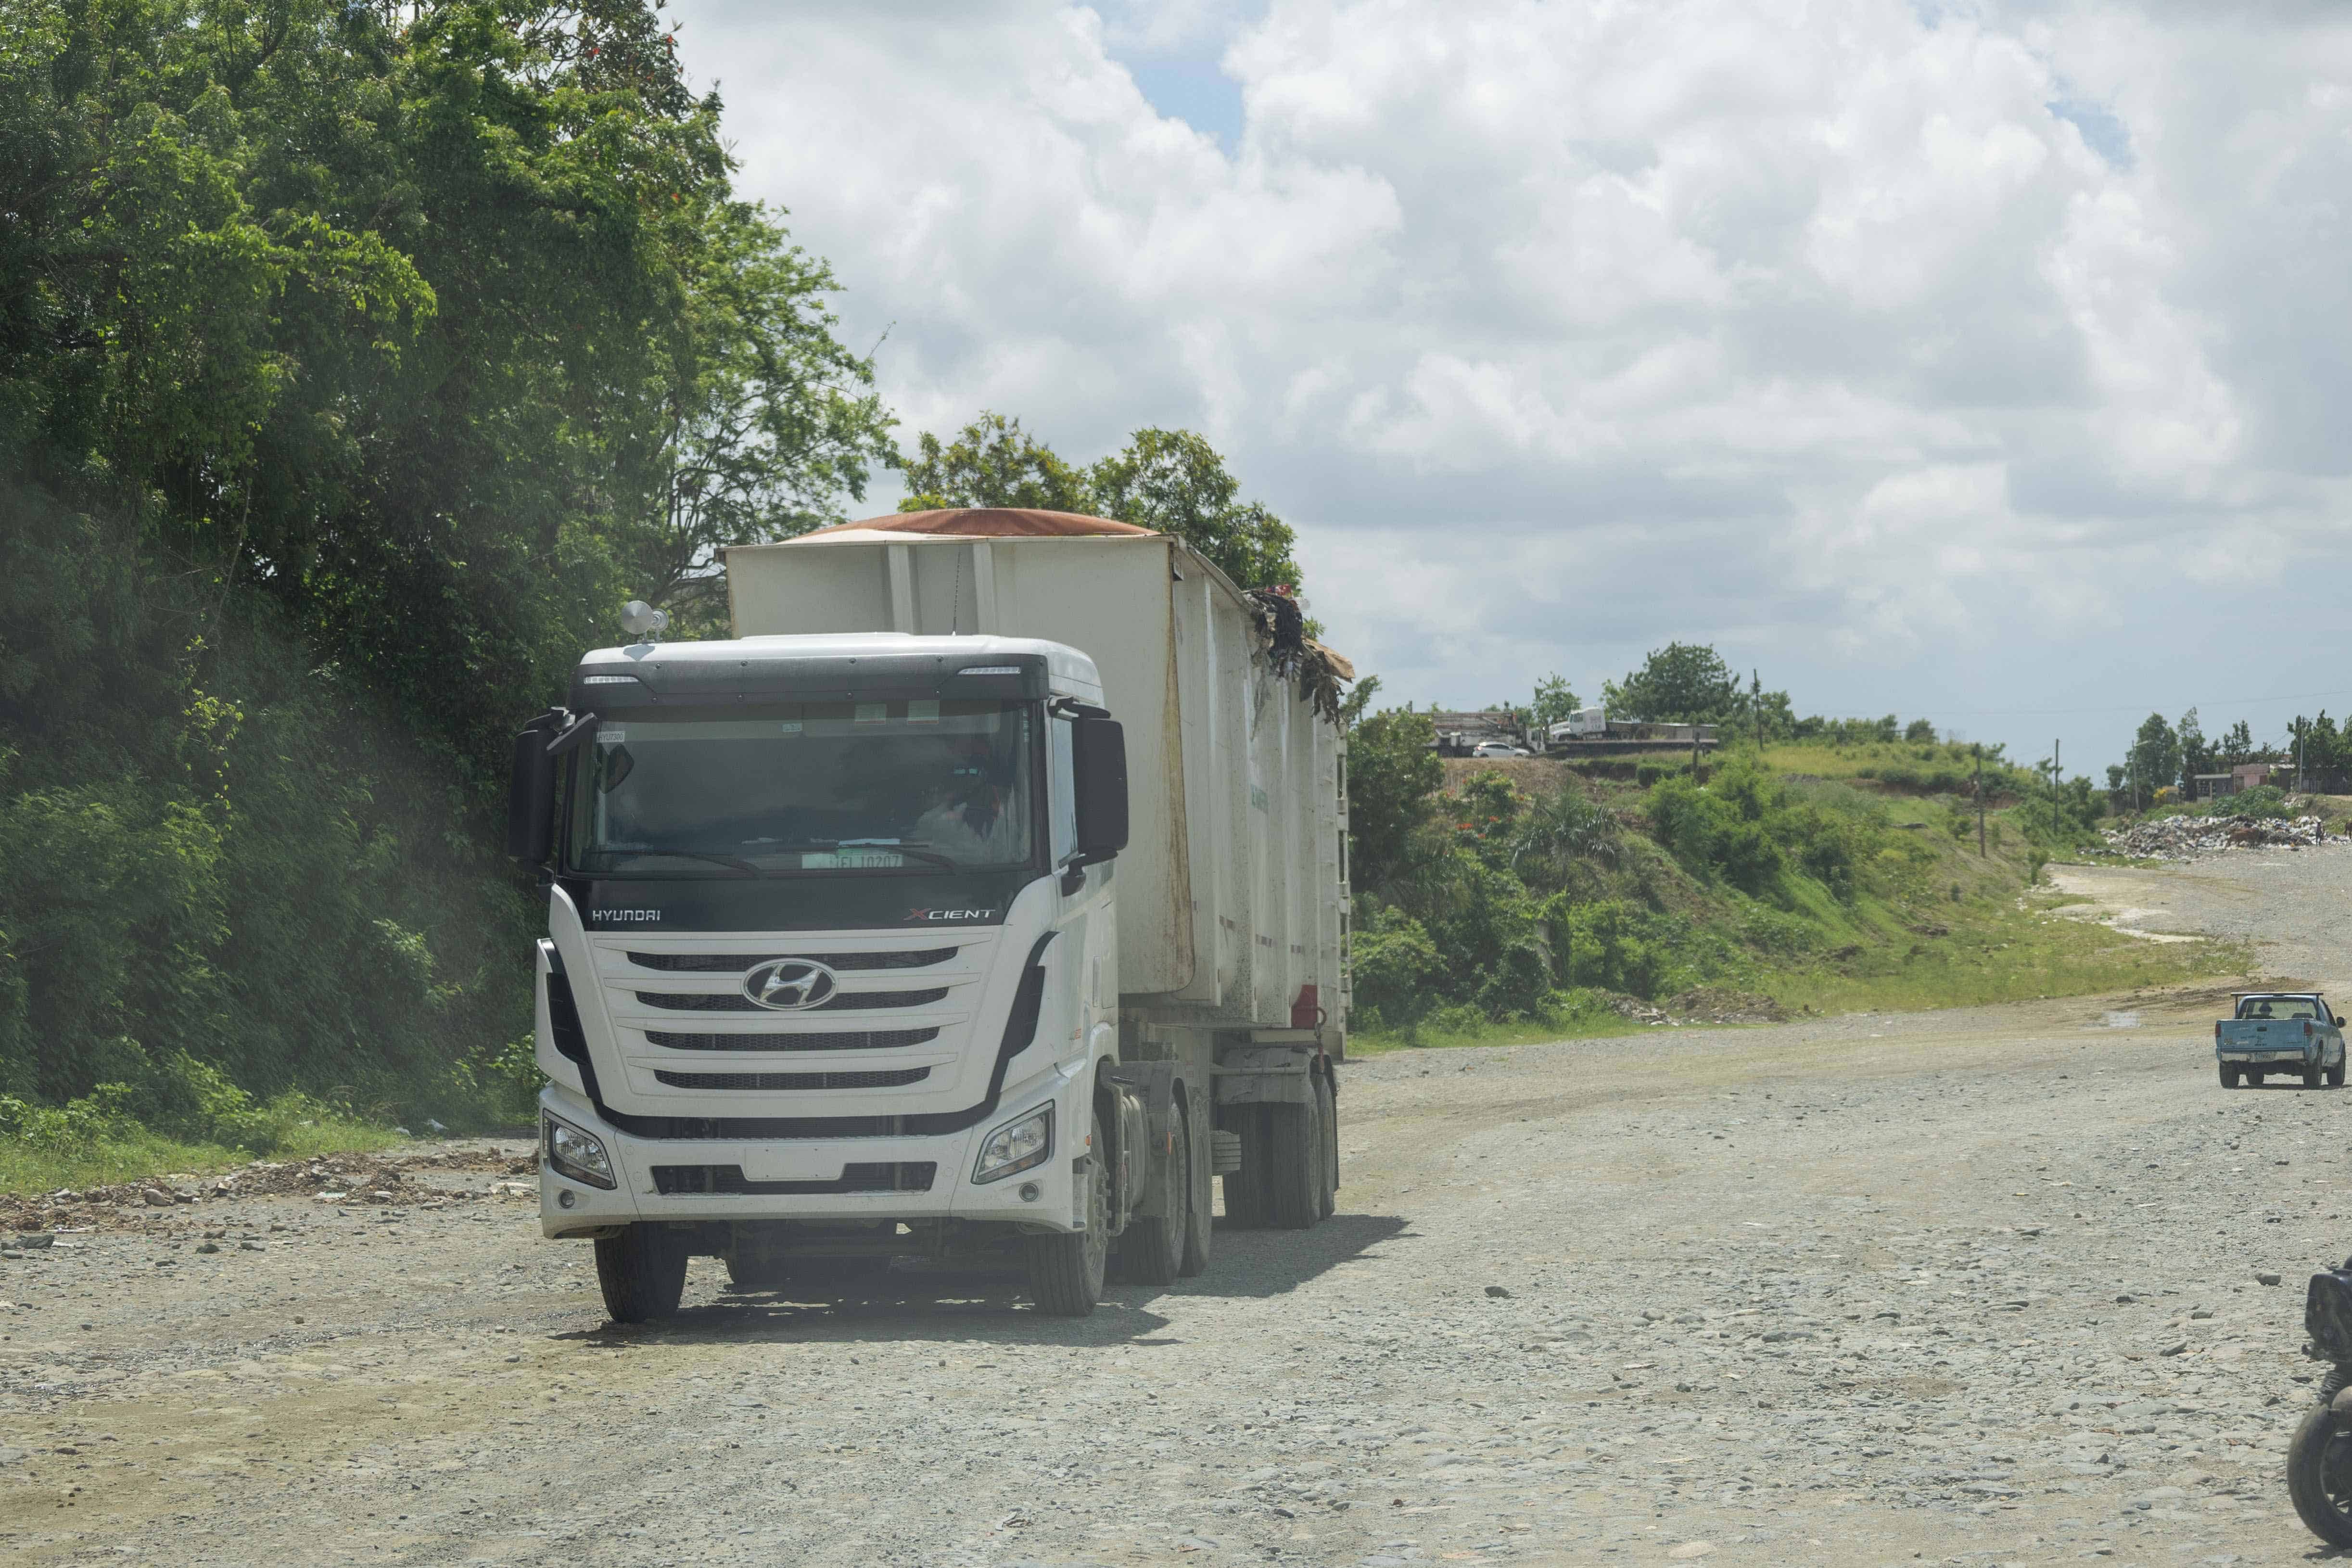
1975,1286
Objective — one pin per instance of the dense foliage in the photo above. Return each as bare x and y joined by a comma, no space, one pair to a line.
357,361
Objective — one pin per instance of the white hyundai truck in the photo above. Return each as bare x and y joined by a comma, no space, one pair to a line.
982,900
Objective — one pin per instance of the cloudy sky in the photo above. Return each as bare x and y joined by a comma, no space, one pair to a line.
1976,360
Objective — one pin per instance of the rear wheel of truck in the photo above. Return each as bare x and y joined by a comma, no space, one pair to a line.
2311,1077
1066,1271
1152,1248
1327,1126
1294,1176
643,1272
1200,1225
2229,1076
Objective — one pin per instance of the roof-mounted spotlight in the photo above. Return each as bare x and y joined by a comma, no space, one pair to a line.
642,621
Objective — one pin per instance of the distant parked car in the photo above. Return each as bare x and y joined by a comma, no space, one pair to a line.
1499,748
2281,1032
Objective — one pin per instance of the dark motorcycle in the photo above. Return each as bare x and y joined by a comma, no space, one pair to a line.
2319,1456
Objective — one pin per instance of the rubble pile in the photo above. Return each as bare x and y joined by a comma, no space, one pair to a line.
2193,838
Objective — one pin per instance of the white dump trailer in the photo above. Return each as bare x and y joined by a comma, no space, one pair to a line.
983,899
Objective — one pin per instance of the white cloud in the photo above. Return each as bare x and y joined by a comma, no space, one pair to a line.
1815,328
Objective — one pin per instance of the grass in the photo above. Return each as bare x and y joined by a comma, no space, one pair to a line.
134,1153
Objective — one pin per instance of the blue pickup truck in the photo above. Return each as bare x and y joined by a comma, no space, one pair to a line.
2281,1032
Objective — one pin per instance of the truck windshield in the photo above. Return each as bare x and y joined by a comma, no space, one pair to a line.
812,787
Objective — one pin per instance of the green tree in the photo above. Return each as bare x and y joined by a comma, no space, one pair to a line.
775,423
2154,760
1393,777
1683,683
1174,481
356,361
2196,753
1919,731
1170,480
1554,701
992,462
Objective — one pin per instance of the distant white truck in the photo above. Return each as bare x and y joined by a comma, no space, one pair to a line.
982,899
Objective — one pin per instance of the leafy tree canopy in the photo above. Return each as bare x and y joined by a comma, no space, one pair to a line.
1681,683
1172,480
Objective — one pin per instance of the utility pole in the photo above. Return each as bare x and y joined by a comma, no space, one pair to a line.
1755,701
2055,771
2298,753
1981,831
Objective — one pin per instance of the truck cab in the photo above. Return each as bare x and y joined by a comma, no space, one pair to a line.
2283,1032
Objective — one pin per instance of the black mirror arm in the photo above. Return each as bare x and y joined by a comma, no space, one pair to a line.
575,734
1075,709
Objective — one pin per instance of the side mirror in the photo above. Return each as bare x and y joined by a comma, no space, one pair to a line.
1099,748
2339,1020
530,791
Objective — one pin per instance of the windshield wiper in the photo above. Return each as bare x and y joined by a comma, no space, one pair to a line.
734,861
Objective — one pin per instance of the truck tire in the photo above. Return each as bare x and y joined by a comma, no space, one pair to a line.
2229,1076
2311,1077
642,1271
1327,1125
2335,1075
1066,1271
1294,1173
2253,1076
1246,1189
1200,1220
1152,1248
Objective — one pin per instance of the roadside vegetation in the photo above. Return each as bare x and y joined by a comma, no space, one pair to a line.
1525,898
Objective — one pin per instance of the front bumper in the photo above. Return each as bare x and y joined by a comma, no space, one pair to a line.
952,1195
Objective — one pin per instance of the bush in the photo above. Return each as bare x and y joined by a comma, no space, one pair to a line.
1612,945
1393,962
1710,833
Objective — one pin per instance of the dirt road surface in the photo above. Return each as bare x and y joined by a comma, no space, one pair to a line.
1980,1286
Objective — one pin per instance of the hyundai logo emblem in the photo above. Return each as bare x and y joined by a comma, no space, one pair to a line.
790,985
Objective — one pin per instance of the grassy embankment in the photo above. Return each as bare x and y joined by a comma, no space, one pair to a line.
1924,921
130,1153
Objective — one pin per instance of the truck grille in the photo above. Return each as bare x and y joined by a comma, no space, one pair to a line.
837,1040
896,1077
736,963
841,1001
886,1176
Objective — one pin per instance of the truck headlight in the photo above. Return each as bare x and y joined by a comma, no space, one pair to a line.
1016,1146
577,1154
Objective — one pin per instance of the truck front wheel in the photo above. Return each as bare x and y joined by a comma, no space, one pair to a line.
1066,1271
643,1272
